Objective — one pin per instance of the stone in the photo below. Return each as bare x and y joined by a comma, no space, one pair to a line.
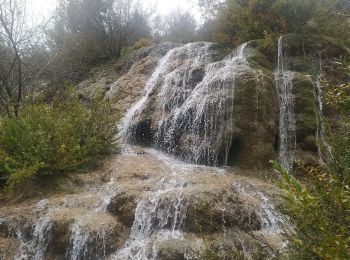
178,249
101,228
8,248
123,205
254,118
135,71
213,211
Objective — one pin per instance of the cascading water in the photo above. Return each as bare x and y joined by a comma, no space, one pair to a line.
195,96
127,129
36,247
287,128
158,216
320,134
272,220
85,242
204,112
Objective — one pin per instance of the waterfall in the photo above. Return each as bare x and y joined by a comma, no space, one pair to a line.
195,102
287,128
133,114
158,216
271,219
320,134
35,248
86,242
165,202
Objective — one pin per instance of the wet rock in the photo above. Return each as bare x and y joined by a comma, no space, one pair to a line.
235,244
307,158
306,123
253,135
100,234
184,210
216,209
257,59
21,220
247,101
254,118
177,249
8,248
135,72
123,206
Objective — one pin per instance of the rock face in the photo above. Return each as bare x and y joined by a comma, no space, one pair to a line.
210,110
197,103
207,111
309,59
136,70
99,79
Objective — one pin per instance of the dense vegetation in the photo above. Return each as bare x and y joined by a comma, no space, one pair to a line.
232,22
51,139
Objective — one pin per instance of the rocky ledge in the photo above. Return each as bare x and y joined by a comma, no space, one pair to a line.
148,205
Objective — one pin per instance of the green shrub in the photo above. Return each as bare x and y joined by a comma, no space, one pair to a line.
319,210
54,138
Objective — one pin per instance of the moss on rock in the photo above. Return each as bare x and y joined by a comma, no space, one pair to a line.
255,116
310,143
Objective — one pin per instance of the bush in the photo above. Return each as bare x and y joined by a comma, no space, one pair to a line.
54,138
320,212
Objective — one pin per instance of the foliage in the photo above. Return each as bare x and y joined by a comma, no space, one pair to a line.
339,94
101,27
178,26
320,211
85,32
257,251
239,21
17,36
54,138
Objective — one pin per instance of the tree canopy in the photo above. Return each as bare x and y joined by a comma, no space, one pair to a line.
237,21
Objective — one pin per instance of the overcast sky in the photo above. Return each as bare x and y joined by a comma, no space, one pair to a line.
43,7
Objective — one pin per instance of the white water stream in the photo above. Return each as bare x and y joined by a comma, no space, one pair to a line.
322,145
287,128
195,97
